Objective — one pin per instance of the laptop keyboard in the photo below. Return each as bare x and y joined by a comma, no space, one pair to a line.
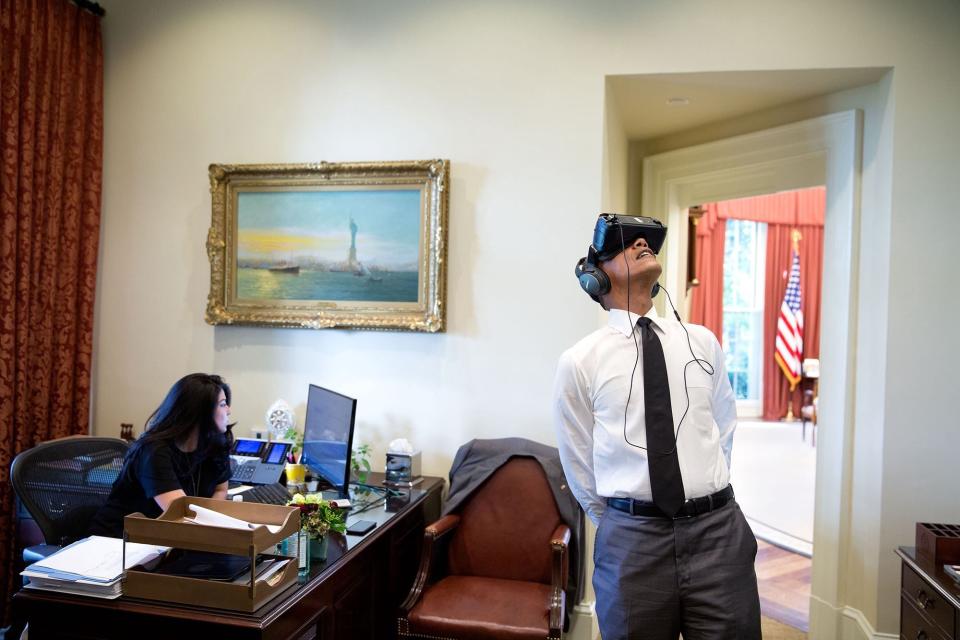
275,493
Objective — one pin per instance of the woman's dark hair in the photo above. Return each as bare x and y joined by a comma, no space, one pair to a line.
190,404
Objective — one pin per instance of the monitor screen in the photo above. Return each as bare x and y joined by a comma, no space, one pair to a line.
277,454
244,447
328,436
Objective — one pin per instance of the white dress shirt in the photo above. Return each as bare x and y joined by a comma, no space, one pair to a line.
593,380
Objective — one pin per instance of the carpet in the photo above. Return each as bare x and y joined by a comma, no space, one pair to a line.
773,474
773,630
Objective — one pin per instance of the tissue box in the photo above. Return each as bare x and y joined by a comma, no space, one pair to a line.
403,469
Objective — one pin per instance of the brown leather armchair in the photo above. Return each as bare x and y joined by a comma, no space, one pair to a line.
495,570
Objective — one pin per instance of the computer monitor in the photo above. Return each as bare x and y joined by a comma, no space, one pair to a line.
328,436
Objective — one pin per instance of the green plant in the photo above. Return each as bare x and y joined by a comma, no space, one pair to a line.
296,438
360,462
317,516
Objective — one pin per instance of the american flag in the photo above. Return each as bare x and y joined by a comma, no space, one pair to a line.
789,351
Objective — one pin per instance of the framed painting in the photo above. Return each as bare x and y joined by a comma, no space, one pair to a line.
351,245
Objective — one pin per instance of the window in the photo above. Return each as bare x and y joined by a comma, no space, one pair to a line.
743,287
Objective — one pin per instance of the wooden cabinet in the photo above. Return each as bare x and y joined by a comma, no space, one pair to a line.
929,600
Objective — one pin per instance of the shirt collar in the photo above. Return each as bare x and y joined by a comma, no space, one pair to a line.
617,318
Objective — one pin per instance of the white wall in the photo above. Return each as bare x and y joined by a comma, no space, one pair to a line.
514,96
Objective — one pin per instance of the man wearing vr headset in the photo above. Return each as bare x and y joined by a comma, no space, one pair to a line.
645,417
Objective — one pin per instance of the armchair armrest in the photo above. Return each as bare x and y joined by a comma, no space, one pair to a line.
559,542
441,526
431,534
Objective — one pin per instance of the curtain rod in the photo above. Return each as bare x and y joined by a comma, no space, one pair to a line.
90,6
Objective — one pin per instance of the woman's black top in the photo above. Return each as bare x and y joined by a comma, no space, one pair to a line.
151,469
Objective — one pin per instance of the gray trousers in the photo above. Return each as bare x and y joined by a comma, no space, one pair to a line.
657,578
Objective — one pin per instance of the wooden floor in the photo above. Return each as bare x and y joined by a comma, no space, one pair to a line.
784,581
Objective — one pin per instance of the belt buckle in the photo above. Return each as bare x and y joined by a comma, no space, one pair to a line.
633,506
710,502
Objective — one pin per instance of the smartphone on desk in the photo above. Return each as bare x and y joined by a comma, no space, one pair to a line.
361,527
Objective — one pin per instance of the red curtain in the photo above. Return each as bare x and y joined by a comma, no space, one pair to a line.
706,304
51,132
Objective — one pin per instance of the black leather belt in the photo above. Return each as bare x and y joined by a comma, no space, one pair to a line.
690,509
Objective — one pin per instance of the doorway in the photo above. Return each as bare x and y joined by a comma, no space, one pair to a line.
756,266
821,151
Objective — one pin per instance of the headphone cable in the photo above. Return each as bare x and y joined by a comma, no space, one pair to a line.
636,343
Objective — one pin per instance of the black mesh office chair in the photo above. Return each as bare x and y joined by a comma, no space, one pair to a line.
62,483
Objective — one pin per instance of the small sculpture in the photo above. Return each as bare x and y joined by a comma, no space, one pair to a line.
279,419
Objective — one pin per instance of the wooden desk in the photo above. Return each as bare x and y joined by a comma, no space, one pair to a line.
354,594
929,599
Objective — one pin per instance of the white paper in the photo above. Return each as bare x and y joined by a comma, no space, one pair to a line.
213,518
264,570
96,558
400,445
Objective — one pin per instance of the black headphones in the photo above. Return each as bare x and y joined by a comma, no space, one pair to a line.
594,280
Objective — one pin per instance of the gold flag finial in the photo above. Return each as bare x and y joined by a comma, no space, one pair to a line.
795,236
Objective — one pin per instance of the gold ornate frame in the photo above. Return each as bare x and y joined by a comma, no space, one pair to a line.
428,313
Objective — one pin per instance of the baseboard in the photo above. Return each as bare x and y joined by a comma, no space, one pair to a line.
583,623
781,539
846,623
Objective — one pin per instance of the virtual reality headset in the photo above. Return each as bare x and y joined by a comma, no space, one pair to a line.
615,232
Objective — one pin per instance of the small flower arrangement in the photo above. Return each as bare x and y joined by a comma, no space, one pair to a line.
317,516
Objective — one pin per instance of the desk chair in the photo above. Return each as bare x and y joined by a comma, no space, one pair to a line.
62,483
808,410
495,569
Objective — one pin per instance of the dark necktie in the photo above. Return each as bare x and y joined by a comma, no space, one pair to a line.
665,480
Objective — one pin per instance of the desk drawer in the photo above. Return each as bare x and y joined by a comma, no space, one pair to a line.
927,600
916,626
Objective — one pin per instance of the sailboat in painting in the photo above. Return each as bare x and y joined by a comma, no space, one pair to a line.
362,272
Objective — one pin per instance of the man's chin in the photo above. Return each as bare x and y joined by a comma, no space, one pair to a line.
650,270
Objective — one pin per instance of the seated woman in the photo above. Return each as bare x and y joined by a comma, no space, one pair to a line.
183,451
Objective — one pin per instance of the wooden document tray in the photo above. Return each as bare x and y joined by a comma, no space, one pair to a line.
171,530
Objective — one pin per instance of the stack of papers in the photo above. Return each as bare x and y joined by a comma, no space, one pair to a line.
216,519
90,567
952,570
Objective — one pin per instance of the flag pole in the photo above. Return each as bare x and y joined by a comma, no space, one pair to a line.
795,236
